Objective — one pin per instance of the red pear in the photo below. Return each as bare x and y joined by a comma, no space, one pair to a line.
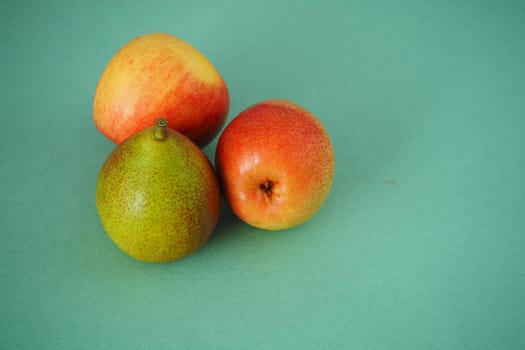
275,161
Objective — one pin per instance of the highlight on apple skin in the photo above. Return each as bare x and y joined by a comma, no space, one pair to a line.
276,163
160,76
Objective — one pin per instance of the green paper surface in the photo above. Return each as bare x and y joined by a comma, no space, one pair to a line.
420,244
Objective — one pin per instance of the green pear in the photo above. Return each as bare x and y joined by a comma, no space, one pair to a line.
157,195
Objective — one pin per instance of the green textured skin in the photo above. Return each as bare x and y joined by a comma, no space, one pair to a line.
158,200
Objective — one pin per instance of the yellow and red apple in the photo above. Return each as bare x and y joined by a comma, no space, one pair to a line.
276,162
159,75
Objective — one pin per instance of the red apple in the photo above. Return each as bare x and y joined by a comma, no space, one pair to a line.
276,164
159,75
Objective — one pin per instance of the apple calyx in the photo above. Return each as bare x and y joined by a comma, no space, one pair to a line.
160,132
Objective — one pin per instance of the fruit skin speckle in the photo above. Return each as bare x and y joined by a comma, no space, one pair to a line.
158,200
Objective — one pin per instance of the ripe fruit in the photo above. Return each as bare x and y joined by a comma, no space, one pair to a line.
157,195
160,75
276,164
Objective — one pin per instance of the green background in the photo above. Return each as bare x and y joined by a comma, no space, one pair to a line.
419,246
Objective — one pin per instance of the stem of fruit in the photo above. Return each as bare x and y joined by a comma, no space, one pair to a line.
160,131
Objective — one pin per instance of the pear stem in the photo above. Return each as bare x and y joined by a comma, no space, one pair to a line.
160,132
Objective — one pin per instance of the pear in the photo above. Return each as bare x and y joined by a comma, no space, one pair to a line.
157,195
